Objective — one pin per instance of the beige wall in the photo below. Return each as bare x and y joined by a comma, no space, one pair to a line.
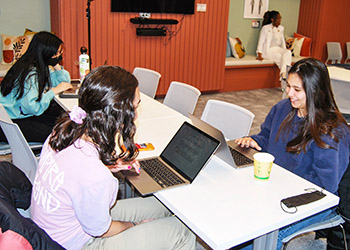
241,27
16,15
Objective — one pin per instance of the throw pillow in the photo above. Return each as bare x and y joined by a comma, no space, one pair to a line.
306,48
228,46
237,47
29,32
20,46
7,48
13,47
289,43
297,45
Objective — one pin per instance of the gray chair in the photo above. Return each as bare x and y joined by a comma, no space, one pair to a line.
148,80
22,155
234,121
337,220
348,52
334,52
341,93
182,97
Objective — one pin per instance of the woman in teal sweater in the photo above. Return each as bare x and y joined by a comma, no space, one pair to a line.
30,85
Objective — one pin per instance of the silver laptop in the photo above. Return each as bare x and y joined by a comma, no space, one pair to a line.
180,162
229,152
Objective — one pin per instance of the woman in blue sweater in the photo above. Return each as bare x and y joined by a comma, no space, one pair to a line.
30,85
306,133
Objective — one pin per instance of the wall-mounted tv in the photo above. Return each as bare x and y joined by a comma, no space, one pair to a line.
154,6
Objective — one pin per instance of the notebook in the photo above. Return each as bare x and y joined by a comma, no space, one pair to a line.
230,152
183,158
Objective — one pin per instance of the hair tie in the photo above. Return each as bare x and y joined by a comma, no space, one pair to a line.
77,115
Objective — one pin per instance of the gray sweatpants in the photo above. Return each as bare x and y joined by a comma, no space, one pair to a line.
164,232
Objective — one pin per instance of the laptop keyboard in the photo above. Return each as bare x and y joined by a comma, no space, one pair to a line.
161,174
240,159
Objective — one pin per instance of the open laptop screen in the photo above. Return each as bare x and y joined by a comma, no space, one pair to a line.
189,150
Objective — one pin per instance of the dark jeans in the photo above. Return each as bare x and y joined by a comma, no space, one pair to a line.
38,128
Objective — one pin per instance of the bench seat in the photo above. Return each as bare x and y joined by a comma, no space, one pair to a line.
248,73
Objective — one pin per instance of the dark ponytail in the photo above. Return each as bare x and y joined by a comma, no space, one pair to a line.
273,14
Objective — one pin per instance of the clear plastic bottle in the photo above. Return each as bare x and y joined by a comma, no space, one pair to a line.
84,63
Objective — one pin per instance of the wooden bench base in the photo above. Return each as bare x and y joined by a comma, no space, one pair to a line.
246,77
248,73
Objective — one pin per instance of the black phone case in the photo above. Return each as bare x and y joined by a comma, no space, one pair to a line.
302,199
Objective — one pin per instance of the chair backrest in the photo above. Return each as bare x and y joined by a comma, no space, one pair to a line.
347,52
148,80
234,121
341,92
334,52
22,155
182,97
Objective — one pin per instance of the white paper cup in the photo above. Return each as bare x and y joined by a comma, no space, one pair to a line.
262,165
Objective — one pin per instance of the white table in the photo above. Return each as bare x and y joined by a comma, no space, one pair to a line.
340,80
223,206
226,207
148,109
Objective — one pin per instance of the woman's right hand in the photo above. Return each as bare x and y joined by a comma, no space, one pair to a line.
61,87
260,58
248,142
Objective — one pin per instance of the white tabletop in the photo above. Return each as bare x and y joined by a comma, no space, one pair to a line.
226,207
340,80
338,73
148,109
223,206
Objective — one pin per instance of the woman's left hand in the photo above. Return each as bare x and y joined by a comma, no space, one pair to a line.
125,165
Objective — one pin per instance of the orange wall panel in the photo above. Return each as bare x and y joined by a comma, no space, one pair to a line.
195,54
324,21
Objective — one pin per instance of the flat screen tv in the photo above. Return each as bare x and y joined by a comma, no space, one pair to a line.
154,6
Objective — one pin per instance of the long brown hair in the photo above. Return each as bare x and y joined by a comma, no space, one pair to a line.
106,95
323,115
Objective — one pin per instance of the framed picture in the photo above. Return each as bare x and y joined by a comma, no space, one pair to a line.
255,8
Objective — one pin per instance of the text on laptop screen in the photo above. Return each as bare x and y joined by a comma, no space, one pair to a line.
189,150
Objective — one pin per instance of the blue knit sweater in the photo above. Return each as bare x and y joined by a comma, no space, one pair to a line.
323,167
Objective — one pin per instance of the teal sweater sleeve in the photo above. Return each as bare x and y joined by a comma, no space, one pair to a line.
59,76
28,105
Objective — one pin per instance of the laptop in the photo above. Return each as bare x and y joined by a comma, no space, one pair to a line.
229,152
71,93
180,162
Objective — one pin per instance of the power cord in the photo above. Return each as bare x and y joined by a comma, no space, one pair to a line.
173,33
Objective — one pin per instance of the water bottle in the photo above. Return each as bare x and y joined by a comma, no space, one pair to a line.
84,63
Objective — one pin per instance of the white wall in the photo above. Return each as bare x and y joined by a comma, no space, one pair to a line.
16,15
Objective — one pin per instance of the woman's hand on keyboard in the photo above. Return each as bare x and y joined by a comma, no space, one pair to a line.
125,165
248,142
